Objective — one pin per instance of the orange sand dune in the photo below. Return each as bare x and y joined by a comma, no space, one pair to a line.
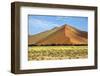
65,34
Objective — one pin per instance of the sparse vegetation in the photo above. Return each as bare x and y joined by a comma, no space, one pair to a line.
57,52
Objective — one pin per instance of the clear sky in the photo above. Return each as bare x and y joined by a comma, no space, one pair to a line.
40,23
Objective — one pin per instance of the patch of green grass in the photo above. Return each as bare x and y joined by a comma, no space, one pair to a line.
57,52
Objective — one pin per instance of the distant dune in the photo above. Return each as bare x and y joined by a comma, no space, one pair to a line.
65,34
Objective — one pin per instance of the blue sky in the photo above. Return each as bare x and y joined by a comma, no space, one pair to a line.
40,23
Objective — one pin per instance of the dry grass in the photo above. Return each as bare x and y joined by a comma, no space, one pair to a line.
57,52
